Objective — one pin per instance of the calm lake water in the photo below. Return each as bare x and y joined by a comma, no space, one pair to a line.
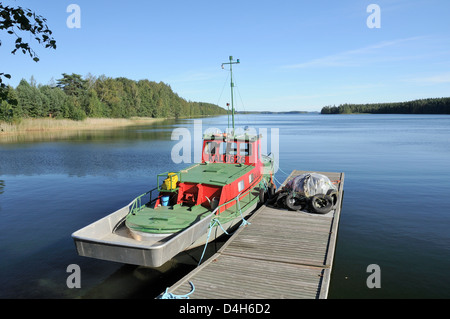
395,211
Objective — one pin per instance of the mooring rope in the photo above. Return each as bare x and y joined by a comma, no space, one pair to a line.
279,168
276,180
216,221
211,226
169,295
244,222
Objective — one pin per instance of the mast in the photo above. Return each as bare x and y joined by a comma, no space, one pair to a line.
232,85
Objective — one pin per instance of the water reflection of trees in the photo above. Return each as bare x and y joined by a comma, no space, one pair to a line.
159,131
109,152
96,155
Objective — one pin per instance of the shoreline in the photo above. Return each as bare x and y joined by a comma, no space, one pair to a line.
30,130
39,125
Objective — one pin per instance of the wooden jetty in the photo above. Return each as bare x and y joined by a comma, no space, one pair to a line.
282,254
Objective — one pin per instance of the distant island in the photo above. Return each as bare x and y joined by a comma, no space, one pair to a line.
422,106
76,98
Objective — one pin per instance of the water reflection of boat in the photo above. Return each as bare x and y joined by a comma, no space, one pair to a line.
188,208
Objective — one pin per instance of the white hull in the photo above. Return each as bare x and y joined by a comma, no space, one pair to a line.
109,239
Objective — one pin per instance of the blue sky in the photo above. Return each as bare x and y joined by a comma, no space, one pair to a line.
295,55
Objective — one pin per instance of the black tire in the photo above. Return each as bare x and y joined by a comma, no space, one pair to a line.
293,202
334,195
280,199
272,195
321,203
262,195
272,190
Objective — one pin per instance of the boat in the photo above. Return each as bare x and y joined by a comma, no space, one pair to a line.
189,208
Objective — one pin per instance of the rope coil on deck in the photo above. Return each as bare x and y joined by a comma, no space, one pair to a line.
169,295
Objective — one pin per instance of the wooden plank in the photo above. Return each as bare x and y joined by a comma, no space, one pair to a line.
234,277
333,239
282,254
294,237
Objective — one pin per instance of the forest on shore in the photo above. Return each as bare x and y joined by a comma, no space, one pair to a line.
77,98
422,106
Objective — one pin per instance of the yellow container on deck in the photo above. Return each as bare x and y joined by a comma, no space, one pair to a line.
170,183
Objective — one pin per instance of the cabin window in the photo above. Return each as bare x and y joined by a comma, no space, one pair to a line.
241,186
211,148
231,148
222,147
245,149
250,178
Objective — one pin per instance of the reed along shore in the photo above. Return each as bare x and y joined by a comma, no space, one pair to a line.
36,129
50,124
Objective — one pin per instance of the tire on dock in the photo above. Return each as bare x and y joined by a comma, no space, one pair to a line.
321,203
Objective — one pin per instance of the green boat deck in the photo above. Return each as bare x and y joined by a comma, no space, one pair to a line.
171,219
166,219
219,174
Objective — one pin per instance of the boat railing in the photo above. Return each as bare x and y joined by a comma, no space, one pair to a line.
266,158
237,199
136,204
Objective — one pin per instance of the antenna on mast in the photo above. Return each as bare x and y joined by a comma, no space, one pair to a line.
232,85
